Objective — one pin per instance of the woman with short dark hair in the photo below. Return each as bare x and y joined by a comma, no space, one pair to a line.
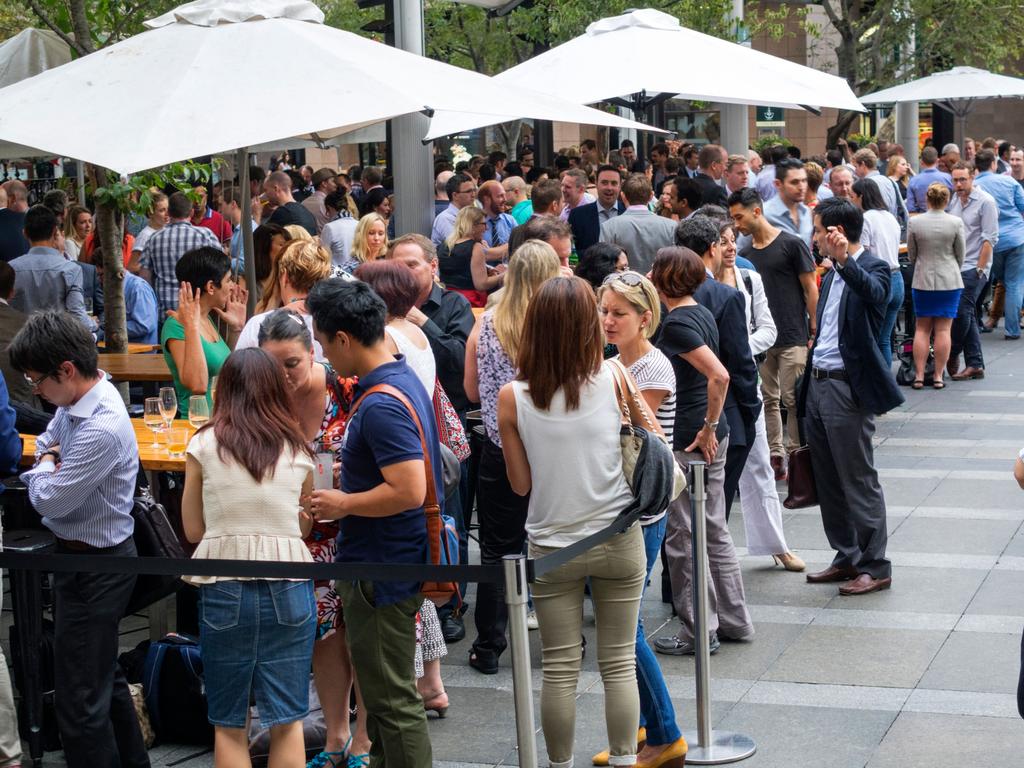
246,473
689,338
193,347
559,423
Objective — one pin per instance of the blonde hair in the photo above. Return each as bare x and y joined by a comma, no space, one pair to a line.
531,264
937,196
305,262
465,220
360,240
297,232
893,164
642,297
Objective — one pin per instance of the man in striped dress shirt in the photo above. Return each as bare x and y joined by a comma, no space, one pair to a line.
83,486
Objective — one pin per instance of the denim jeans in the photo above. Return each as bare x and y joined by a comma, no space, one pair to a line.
657,714
896,290
1013,277
965,334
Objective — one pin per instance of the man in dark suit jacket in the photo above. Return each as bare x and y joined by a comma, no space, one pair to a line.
846,383
30,419
586,220
742,404
711,161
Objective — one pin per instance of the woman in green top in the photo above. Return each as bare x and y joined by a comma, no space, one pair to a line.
193,347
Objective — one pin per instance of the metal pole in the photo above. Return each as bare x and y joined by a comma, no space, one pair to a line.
412,160
522,679
735,120
706,746
248,251
80,168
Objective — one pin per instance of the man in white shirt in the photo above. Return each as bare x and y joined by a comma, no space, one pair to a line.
461,192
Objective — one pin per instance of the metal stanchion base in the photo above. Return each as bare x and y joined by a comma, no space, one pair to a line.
725,747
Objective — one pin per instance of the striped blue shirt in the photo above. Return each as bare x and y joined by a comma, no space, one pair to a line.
161,256
90,497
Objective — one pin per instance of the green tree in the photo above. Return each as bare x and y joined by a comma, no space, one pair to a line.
884,42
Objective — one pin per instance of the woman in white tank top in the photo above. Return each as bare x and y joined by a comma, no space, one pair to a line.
559,425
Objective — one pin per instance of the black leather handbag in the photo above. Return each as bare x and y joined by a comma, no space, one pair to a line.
154,537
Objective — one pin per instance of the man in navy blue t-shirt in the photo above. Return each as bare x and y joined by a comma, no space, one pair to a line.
380,506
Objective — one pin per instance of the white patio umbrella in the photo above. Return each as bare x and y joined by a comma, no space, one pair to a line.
956,90
28,53
612,61
215,75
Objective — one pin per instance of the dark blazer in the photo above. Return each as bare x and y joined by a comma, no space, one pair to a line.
861,311
714,194
11,321
586,227
742,404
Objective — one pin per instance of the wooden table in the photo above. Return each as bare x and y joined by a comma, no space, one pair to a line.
477,311
153,459
134,348
133,367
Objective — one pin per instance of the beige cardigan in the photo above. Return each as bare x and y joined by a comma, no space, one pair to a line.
935,245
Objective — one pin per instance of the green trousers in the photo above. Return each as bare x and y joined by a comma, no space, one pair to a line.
382,643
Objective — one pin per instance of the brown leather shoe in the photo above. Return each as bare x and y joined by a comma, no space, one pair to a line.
779,466
864,584
952,366
970,372
831,574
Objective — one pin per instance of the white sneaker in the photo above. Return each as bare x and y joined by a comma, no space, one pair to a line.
531,621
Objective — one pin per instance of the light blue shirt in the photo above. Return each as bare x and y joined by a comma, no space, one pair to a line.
917,189
444,223
140,309
237,254
766,183
777,213
826,354
498,229
90,499
1010,201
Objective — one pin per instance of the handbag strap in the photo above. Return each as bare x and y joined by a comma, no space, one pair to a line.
624,384
387,389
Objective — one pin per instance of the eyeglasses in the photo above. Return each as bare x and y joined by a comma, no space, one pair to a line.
34,383
629,277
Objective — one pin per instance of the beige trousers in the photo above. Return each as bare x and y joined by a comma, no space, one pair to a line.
779,372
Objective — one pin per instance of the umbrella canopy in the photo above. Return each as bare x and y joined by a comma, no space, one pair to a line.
28,53
955,85
160,96
734,74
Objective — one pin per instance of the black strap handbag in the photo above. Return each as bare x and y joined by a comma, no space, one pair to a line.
154,537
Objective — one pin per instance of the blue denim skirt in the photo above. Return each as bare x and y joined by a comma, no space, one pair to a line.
257,643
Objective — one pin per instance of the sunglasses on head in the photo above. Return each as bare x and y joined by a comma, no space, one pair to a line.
629,277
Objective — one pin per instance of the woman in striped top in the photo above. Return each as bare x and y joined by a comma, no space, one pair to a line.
630,312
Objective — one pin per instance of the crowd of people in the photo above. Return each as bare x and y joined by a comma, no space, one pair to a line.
751,299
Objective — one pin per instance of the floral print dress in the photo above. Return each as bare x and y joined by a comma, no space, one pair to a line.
323,539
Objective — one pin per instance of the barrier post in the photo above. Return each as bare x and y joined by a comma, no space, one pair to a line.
706,746
516,587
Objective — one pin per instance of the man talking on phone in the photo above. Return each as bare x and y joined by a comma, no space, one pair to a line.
846,383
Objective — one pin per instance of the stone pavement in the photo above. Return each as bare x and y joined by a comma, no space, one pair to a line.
922,675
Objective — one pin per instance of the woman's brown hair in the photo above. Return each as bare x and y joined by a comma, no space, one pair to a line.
252,415
561,346
677,272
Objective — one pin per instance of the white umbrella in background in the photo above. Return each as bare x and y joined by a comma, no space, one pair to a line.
28,53
956,90
614,61
211,76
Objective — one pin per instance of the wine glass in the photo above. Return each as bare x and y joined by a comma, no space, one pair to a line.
177,442
198,410
154,419
168,404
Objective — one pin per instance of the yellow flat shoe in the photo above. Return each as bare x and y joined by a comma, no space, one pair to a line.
601,758
674,756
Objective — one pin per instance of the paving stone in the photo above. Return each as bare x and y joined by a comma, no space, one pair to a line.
850,656
978,537
1001,594
744,660
975,661
808,737
918,740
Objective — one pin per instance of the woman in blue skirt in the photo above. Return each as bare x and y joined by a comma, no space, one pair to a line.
935,245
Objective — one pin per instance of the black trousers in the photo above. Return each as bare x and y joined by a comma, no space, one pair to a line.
741,441
95,715
965,334
502,516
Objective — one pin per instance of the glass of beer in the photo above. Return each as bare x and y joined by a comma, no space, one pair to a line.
177,442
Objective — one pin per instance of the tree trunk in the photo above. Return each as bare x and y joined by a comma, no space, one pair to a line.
841,128
846,54
507,135
111,238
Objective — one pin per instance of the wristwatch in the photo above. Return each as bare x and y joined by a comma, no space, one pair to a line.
53,453
712,425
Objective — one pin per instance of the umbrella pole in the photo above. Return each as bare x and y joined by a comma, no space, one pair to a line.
248,252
